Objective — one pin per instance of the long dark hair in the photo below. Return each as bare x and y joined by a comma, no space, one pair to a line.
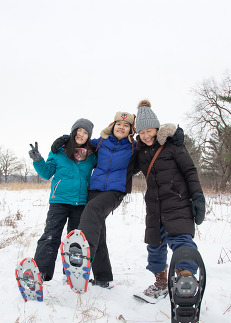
72,146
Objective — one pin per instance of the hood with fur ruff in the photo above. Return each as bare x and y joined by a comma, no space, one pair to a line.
166,130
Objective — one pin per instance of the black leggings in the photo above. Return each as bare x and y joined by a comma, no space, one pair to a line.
48,244
92,223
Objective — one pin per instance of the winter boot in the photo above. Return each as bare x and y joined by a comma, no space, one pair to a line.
187,284
43,276
29,279
183,273
100,283
159,289
76,259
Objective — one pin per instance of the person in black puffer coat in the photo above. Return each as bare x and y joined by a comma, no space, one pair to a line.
174,197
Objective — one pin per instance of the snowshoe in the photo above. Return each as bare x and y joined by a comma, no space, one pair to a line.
75,252
186,291
141,296
157,291
29,280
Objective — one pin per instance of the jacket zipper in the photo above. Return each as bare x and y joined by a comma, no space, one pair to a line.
55,188
110,166
175,188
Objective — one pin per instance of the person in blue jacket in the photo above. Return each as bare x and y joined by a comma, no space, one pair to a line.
110,182
71,169
107,190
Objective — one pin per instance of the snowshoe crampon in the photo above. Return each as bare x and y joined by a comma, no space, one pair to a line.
29,280
75,252
186,292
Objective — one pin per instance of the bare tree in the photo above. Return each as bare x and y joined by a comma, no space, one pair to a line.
25,170
9,164
210,122
1,165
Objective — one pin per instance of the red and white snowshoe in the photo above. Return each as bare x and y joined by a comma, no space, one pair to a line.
75,252
29,280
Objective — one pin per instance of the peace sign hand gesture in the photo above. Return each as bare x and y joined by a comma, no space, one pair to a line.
34,153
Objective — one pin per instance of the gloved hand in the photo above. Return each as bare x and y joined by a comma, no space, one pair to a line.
34,153
60,142
178,137
198,207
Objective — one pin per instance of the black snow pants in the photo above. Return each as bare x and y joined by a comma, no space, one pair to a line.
92,223
48,244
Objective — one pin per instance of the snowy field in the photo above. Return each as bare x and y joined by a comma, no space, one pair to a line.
22,218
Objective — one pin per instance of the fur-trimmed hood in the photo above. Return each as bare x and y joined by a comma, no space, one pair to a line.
166,130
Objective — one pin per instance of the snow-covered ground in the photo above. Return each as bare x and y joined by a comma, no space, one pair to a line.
22,218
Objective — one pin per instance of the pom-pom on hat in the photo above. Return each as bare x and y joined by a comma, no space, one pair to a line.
146,118
85,124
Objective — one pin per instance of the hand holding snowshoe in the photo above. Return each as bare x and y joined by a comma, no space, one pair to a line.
34,153
198,207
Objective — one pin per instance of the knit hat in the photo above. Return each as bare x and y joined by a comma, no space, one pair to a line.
120,116
146,118
85,124
124,116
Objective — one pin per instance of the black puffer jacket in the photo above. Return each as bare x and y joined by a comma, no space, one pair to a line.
171,182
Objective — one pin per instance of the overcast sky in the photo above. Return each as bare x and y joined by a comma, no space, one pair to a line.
64,60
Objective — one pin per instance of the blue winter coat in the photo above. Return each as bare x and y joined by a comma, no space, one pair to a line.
71,179
113,159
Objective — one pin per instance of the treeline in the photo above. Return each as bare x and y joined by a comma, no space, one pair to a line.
13,169
207,138
209,132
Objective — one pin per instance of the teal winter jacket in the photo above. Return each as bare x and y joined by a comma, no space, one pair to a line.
71,179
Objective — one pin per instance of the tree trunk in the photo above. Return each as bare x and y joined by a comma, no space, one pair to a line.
225,178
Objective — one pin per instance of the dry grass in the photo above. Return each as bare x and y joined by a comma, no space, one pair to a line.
7,242
225,256
138,185
11,220
86,311
18,186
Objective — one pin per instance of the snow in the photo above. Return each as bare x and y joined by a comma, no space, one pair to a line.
22,219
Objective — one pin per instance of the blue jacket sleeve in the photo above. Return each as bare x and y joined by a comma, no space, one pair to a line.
95,142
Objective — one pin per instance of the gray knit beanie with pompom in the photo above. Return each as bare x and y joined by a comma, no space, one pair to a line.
146,118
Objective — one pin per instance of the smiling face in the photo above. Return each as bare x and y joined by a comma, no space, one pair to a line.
121,129
147,136
81,136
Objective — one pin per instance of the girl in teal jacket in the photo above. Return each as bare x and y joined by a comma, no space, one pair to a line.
71,169
71,178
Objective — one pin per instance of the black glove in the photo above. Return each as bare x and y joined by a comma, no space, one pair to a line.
34,153
198,207
60,142
178,137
